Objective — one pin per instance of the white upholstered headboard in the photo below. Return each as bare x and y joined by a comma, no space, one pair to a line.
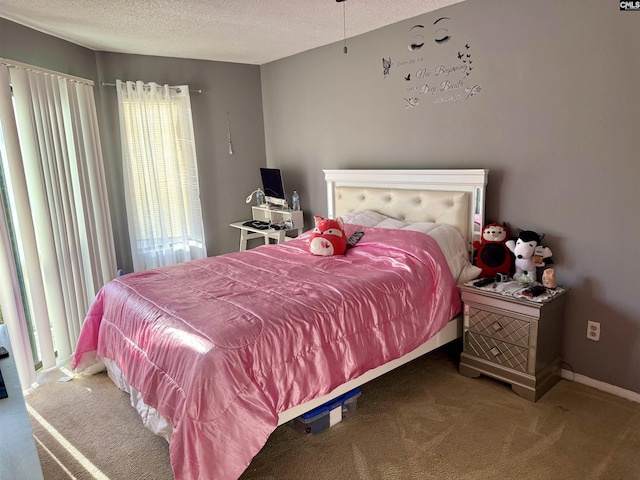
452,197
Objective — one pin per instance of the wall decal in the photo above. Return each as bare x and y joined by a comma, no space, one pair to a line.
442,34
386,66
438,72
411,102
472,91
417,41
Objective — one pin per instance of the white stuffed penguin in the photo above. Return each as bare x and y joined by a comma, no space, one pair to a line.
528,252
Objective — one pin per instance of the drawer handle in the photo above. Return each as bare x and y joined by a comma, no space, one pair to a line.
496,326
495,351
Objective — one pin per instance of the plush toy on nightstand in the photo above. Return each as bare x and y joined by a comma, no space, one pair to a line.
493,255
529,253
328,237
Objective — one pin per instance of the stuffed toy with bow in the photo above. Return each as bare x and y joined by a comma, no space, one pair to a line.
328,237
529,253
493,256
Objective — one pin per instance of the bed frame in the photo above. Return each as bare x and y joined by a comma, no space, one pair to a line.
453,197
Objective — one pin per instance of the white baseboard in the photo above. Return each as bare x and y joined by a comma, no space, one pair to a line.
605,387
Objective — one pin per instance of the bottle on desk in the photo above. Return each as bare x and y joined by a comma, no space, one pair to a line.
295,201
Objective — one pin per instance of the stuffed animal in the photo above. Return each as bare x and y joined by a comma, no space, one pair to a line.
493,256
328,237
529,253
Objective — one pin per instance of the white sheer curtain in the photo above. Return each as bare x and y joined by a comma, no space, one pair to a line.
160,174
59,208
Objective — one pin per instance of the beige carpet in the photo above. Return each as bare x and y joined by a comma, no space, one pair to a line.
422,421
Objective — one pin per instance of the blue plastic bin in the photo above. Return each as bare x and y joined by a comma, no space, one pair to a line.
328,414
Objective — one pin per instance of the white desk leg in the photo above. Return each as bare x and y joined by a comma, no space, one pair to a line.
266,239
243,240
281,235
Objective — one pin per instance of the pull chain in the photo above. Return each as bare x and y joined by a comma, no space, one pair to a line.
344,21
344,24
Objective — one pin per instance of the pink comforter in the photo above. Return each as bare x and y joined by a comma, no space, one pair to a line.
220,346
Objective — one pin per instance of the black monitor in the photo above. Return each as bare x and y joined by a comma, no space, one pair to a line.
272,186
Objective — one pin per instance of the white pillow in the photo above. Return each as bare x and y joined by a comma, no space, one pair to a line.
453,247
448,238
392,223
366,218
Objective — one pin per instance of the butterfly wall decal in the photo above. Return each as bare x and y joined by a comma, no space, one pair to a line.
386,66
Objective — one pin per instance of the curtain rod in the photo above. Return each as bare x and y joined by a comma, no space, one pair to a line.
33,68
105,84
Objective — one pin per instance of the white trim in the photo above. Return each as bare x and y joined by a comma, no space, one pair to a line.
408,178
44,71
602,386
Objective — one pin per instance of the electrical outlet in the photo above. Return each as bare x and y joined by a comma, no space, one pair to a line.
593,331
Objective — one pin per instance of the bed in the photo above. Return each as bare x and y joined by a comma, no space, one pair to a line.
217,352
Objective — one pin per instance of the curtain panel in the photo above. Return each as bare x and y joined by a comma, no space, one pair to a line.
59,206
160,174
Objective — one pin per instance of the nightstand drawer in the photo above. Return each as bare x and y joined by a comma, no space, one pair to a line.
503,326
505,354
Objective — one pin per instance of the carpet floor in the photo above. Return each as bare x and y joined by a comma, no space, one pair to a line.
421,421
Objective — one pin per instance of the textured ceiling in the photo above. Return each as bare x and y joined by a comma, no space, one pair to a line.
240,31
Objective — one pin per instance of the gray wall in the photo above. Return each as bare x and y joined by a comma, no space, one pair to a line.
555,122
30,46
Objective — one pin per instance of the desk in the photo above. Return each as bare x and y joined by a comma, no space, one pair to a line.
274,215
248,233
18,454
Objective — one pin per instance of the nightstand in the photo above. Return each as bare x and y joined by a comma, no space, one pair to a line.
513,340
